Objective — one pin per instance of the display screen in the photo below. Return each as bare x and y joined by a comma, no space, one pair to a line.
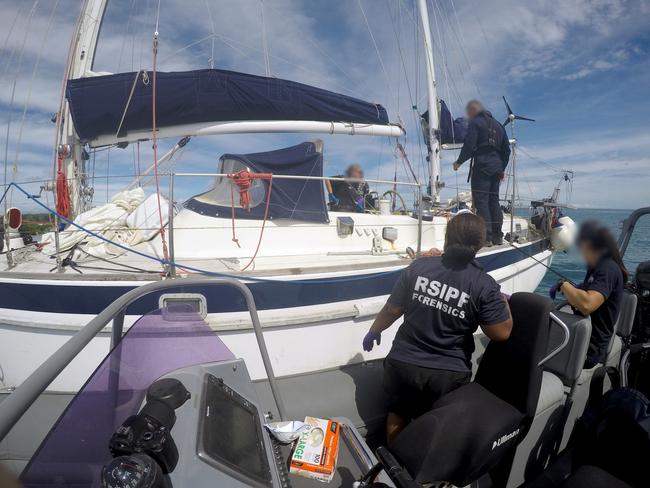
232,435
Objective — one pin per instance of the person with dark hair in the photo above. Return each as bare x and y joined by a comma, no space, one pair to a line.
488,147
599,295
444,299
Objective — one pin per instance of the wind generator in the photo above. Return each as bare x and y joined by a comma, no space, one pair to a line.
513,140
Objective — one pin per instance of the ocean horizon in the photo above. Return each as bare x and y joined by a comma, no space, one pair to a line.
570,264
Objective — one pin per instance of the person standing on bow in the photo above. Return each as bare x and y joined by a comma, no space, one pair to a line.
444,298
348,195
488,147
599,296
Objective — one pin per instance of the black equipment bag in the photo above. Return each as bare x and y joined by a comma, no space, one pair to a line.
614,435
639,370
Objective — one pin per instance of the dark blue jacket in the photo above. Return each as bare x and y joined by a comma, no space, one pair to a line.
487,142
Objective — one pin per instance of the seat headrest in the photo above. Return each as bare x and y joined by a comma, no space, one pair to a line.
625,321
509,369
568,363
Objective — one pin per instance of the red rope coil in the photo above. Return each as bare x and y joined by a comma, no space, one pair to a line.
244,180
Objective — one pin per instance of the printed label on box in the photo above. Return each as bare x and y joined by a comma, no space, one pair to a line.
316,450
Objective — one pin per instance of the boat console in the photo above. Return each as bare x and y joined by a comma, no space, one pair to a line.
203,426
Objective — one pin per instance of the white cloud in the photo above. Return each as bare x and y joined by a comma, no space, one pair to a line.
506,43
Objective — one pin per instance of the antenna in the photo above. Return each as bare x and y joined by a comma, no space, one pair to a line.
511,118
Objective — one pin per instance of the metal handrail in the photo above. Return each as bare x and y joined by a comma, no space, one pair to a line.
23,397
314,178
567,336
628,228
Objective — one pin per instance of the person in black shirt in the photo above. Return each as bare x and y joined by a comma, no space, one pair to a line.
443,299
488,146
599,295
348,195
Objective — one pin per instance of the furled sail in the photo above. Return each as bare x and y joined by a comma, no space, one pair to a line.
118,104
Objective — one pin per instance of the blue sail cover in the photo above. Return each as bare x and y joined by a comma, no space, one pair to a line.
98,103
290,199
452,131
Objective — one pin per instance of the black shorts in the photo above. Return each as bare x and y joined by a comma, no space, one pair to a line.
412,390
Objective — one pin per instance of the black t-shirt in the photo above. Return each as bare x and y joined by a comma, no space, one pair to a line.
349,193
444,303
607,279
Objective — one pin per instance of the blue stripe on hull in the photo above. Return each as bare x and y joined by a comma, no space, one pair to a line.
92,299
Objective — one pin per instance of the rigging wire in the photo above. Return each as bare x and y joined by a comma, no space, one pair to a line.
155,135
323,52
31,81
462,47
539,160
126,36
6,41
108,173
443,47
265,42
413,110
9,116
28,24
374,43
214,32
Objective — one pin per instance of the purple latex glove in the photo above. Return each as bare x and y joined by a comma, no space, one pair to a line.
360,203
370,339
552,292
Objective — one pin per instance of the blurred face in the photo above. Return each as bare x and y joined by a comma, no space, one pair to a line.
589,254
355,173
472,110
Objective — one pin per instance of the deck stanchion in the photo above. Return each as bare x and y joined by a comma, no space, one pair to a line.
57,245
9,254
172,268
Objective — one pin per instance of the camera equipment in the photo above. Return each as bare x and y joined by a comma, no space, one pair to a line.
136,470
147,435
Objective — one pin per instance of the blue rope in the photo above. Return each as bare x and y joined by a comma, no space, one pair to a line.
166,262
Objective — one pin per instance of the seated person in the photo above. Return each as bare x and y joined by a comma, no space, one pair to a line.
601,292
348,195
444,299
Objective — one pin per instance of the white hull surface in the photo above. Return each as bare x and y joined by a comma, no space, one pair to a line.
313,321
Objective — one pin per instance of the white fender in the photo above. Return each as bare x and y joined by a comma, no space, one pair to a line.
564,235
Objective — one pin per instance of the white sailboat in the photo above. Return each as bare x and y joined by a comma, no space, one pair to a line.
318,276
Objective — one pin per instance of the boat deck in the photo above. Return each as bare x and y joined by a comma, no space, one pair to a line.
30,263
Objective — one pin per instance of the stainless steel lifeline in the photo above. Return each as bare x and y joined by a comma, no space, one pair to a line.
16,404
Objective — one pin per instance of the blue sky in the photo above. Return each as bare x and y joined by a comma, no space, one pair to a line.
580,68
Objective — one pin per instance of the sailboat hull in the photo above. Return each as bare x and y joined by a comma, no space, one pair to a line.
313,322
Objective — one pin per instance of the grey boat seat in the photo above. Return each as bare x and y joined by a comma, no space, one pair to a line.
561,373
578,394
475,429
622,329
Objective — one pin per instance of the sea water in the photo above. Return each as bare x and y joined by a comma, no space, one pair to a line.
570,263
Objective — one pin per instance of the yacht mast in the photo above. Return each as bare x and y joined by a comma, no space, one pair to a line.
432,98
80,64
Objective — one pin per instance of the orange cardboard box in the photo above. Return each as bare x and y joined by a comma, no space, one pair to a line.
316,450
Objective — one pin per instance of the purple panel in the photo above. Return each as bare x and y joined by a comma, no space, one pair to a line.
76,448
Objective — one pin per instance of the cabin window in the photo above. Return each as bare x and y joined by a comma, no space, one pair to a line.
224,189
